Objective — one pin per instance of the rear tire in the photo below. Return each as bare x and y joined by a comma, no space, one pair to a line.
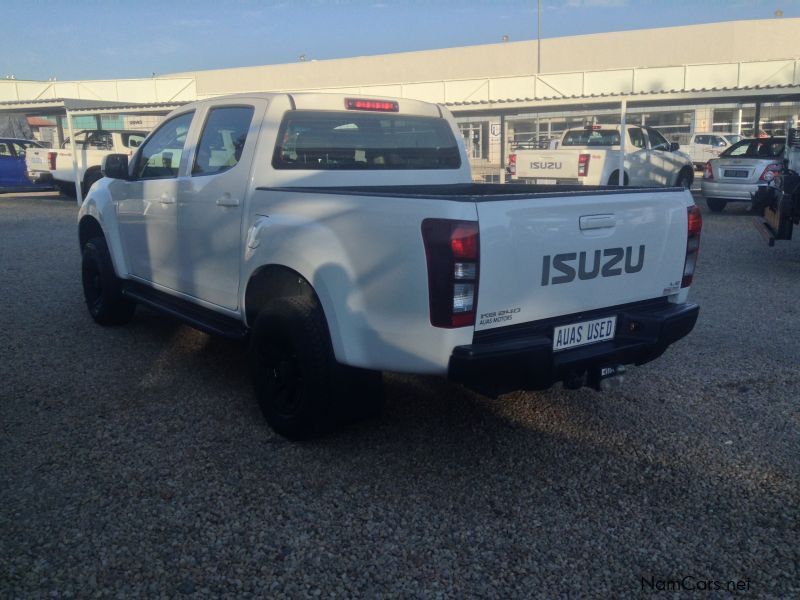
614,179
67,189
716,204
90,179
685,178
102,289
292,365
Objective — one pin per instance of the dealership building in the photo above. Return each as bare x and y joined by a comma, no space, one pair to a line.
736,76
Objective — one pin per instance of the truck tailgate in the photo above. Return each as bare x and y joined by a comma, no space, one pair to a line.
561,254
547,164
36,159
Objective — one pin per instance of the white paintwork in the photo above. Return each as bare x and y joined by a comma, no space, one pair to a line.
648,166
364,255
550,226
703,147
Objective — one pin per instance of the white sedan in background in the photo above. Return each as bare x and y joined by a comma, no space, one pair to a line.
737,173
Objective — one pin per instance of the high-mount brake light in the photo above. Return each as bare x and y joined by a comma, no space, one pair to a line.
708,171
583,165
452,249
694,225
374,105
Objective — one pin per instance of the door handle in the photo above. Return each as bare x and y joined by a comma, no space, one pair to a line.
165,199
226,200
588,222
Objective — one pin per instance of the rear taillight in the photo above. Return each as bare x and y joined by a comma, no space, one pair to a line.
583,165
708,171
694,226
452,249
51,160
512,164
771,171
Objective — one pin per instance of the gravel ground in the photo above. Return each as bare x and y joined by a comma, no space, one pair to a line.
134,461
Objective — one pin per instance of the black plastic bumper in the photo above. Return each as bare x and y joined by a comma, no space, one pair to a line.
521,357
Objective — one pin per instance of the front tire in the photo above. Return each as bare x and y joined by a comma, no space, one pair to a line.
716,204
102,289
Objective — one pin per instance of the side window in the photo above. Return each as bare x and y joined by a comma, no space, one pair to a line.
223,139
99,140
701,139
5,149
637,137
20,149
160,157
132,140
657,141
718,141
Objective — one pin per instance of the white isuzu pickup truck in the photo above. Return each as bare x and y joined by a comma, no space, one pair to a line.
590,156
341,237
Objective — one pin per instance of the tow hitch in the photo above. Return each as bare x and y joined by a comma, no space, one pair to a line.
602,379
606,379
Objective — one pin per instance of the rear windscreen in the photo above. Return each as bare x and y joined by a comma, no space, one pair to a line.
588,137
327,140
758,148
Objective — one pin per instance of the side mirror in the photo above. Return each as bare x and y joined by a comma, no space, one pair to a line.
115,166
674,146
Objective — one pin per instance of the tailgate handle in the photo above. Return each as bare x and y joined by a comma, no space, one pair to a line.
588,222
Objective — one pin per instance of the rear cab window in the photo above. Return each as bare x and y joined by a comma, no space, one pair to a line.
760,148
333,140
591,137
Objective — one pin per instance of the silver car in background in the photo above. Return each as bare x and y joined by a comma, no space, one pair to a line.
737,173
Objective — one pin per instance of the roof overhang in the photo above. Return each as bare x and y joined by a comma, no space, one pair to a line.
60,106
744,95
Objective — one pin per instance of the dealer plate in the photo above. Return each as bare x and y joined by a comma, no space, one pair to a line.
583,333
541,181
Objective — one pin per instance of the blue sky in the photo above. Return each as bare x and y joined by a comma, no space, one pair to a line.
92,39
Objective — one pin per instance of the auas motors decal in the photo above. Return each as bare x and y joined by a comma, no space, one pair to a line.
602,263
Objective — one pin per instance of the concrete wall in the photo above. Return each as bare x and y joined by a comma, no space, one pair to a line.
732,41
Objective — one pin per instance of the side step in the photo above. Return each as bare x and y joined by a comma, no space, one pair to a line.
765,230
198,317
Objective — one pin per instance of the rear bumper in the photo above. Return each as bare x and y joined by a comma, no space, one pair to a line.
522,357
40,176
728,191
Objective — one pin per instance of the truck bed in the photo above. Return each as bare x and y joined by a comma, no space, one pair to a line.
475,192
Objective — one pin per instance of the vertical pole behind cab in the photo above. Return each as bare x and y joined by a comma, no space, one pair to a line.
78,192
622,115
